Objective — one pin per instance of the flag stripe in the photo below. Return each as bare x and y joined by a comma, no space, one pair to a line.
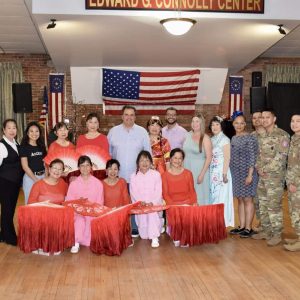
168,83
145,102
153,104
155,91
170,74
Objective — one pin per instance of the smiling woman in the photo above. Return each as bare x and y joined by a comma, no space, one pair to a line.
52,188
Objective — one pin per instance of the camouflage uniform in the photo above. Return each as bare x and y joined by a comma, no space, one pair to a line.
256,202
293,177
272,157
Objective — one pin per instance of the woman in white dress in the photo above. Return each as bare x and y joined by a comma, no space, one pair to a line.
220,176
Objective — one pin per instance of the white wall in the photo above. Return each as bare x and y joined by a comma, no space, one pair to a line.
87,84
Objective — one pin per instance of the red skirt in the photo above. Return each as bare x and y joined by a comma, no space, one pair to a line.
47,228
111,233
196,225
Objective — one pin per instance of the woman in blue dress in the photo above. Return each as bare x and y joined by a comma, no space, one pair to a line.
198,154
220,176
244,177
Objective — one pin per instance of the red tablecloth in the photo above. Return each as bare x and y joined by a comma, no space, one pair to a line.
196,225
47,228
111,233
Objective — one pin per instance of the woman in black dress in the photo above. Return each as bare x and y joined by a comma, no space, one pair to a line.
11,174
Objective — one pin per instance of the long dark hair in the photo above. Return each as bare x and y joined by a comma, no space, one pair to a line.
40,141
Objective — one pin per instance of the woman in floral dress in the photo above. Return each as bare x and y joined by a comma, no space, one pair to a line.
220,176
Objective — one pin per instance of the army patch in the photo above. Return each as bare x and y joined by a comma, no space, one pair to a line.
285,143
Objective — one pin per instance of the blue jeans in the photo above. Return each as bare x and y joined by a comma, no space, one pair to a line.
132,217
27,185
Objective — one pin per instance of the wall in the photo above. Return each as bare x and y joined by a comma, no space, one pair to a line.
36,70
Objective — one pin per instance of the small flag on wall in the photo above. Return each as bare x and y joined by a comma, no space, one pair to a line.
150,92
56,105
235,94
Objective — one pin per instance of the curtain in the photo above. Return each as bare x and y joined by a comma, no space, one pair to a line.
284,98
10,72
282,73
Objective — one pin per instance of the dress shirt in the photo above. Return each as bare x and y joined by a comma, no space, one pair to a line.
125,145
175,135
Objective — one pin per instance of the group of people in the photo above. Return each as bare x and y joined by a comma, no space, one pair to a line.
160,165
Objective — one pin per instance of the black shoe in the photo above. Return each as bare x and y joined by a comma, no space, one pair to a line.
236,231
13,242
135,233
246,233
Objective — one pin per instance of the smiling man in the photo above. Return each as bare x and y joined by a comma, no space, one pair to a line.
271,167
174,133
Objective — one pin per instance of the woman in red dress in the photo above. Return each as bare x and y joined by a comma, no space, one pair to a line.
61,131
93,136
51,188
178,184
160,146
115,188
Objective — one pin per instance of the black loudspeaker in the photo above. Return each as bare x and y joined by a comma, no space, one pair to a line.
22,97
257,99
256,79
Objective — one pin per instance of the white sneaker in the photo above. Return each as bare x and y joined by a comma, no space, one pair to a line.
176,243
75,248
57,253
41,252
185,246
155,243
35,252
163,229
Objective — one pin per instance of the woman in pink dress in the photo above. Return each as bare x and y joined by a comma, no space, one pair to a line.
84,186
93,136
146,186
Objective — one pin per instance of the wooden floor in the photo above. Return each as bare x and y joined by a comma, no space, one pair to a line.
233,269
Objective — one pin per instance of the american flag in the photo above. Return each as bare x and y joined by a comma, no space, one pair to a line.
150,92
235,94
44,112
56,98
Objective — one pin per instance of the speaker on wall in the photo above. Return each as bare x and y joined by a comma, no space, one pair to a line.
257,99
22,97
256,79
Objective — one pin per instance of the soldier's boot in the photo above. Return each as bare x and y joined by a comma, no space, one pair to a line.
293,247
274,241
290,241
261,236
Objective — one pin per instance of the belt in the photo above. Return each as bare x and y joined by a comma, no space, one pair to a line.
39,173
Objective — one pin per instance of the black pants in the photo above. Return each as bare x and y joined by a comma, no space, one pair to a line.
9,192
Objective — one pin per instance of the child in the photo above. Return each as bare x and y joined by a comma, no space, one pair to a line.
146,186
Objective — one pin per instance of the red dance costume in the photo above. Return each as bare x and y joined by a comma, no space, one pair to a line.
42,191
116,195
161,154
100,141
179,189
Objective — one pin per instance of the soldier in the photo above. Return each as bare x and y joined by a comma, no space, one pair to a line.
271,167
293,183
259,130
